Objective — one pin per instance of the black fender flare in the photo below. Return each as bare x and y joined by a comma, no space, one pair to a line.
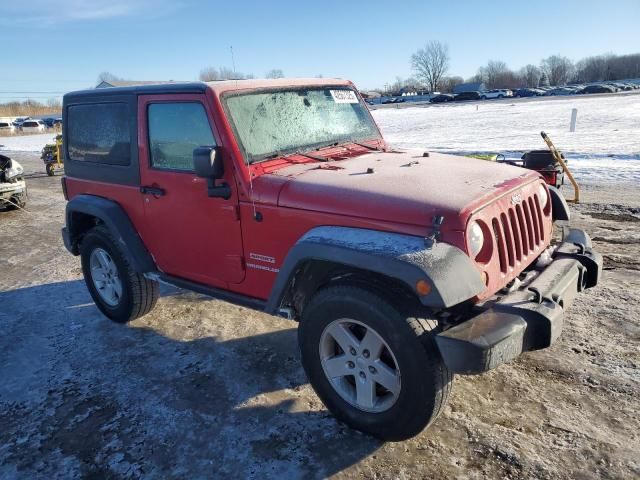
559,206
406,258
116,220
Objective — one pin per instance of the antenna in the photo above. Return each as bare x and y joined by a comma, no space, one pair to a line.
233,62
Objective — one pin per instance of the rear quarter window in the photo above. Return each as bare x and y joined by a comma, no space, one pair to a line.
99,133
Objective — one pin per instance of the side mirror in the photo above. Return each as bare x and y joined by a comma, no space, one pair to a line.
207,163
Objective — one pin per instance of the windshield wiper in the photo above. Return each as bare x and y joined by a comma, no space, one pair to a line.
364,145
303,154
334,144
310,155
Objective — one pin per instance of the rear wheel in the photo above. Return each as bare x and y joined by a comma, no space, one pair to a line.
118,291
374,368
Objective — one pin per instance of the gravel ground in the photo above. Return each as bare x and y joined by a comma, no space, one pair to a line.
201,388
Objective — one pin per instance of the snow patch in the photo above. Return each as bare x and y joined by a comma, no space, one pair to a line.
604,147
26,143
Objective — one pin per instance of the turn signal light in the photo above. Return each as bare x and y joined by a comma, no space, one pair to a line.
423,287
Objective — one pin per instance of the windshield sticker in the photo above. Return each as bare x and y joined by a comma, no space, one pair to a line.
344,96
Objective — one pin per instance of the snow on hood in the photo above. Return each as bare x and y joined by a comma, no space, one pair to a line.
402,187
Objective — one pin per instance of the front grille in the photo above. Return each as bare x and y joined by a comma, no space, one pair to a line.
518,232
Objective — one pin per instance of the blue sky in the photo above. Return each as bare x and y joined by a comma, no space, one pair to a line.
57,46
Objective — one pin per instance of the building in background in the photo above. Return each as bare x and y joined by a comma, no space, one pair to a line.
469,87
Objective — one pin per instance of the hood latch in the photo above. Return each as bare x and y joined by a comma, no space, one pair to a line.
436,223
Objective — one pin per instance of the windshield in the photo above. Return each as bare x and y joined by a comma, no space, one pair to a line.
281,122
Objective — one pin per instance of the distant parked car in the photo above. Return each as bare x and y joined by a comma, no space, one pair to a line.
7,127
528,92
33,126
558,91
620,86
496,93
442,98
49,122
598,89
19,121
467,96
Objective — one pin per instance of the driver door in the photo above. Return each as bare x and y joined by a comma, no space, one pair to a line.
189,234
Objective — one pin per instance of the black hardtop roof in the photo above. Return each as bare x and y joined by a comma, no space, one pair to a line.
176,87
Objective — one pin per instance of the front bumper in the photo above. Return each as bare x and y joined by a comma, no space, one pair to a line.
9,189
527,319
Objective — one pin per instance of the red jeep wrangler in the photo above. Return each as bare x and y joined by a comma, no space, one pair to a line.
402,268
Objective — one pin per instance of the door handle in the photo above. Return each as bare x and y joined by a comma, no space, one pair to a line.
155,191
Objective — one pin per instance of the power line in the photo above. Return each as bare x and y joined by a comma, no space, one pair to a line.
30,92
31,97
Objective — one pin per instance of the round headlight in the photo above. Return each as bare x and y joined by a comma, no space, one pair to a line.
476,238
543,195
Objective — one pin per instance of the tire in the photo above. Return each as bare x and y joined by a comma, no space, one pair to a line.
49,168
423,381
500,96
137,294
483,97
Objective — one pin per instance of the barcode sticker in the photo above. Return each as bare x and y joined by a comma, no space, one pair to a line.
344,96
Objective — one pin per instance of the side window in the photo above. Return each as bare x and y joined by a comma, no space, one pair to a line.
99,133
175,130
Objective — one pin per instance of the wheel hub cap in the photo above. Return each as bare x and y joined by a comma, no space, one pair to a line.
104,275
360,366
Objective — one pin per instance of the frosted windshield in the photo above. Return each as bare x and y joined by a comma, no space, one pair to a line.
280,122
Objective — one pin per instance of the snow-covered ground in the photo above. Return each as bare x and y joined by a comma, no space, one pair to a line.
26,143
604,147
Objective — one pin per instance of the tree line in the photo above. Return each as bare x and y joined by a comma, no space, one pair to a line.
430,66
30,107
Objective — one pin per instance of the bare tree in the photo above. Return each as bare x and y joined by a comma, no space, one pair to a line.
530,75
559,69
275,73
223,73
108,77
447,84
496,74
431,63
54,104
607,67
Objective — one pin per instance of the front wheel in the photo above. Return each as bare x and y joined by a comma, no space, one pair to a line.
49,168
483,97
118,291
374,368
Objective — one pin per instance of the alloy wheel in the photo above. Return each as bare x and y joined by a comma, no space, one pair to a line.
104,275
360,365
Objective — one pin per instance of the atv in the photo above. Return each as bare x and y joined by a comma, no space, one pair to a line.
51,156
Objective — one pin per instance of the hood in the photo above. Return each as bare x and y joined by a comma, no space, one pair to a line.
402,187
